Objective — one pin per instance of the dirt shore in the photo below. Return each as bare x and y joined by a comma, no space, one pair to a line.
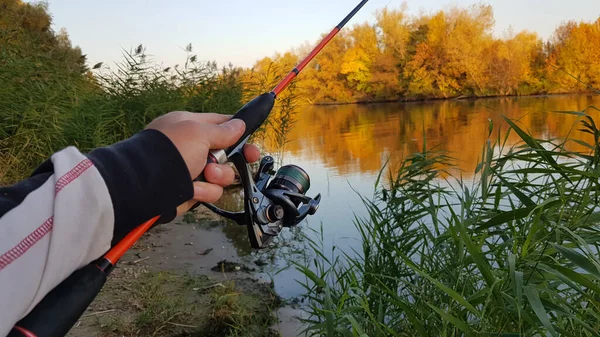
173,282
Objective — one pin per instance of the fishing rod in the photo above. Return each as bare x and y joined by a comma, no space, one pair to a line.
269,206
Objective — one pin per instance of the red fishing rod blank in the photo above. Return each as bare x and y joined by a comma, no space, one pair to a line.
288,79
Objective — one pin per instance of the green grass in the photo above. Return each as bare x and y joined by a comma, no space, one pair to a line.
241,313
167,303
100,107
512,253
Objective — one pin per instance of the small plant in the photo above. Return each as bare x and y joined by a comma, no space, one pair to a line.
189,217
237,312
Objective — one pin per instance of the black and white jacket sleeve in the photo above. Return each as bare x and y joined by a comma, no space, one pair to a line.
75,206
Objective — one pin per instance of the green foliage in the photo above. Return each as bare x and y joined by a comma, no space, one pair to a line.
50,100
138,91
515,253
40,75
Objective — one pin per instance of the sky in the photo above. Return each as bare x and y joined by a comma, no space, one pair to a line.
243,31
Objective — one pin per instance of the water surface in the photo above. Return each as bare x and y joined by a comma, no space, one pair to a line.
343,148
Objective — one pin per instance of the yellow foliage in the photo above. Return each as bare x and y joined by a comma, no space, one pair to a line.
449,53
576,57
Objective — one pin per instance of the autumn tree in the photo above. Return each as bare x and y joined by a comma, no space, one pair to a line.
575,59
512,63
449,53
393,39
323,80
431,72
358,59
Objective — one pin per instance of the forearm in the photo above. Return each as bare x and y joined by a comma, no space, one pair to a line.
146,176
75,207
51,224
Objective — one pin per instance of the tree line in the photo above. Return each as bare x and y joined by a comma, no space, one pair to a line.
451,53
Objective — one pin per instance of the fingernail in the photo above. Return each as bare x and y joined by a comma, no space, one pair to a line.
234,124
198,191
218,172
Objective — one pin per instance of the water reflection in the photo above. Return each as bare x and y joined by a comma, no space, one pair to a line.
233,200
357,138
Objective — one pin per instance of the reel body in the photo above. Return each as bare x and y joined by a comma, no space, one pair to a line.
270,204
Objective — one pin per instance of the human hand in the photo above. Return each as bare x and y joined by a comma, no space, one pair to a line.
194,135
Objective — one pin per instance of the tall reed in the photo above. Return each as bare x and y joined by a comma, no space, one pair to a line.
44,108
512,253
138,90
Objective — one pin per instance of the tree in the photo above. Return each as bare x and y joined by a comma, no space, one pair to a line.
512,61
323,80
575,60
432,72
358,59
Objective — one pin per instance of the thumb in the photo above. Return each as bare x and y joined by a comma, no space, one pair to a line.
224,135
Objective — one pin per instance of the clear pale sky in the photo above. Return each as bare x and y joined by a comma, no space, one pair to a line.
242,31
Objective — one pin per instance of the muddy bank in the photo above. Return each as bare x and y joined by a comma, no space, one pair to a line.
187,279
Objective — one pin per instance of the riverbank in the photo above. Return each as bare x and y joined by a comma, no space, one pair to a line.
456,98
187,279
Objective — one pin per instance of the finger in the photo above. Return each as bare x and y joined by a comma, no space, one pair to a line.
222,175
201,117
211,118
251,152
207,192
222,135
185,207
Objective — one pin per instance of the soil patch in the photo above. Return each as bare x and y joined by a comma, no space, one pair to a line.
183,279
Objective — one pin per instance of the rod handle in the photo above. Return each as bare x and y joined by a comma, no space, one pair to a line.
62,307
254,114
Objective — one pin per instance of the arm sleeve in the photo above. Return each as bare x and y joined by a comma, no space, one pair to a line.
75,207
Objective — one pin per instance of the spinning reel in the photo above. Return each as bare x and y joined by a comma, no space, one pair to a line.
270,205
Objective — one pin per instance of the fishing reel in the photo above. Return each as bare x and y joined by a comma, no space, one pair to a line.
270,204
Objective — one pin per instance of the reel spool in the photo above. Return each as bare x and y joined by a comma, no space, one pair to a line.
270,204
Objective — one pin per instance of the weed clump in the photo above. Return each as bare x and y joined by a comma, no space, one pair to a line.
242,308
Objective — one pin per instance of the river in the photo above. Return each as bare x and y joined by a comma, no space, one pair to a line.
343,147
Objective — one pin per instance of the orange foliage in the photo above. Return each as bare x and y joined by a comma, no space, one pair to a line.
447,54
575,61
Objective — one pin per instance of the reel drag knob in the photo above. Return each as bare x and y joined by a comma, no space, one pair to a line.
275,213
